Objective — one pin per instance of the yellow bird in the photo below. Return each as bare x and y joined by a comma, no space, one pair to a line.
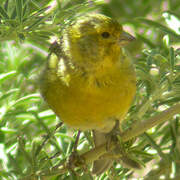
88,81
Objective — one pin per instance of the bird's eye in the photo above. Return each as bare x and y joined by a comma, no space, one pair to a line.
105,34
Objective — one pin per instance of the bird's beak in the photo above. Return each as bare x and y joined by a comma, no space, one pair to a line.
125,38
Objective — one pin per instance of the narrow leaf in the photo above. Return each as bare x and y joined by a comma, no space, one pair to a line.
25,10
6,5
172,58
29,98
5,76
3,13
172,21
14,14
7,94
19,9
35,24
35,4
39,12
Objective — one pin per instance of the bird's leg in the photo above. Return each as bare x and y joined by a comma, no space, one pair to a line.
120,149
112,135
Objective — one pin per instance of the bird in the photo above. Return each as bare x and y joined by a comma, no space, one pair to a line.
88,80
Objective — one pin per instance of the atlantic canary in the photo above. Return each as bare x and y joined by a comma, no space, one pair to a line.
88,81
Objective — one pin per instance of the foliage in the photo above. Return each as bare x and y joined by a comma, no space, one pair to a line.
31,144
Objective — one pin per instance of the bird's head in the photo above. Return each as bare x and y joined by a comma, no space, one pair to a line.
93,37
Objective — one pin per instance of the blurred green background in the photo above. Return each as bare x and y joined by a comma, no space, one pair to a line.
30,143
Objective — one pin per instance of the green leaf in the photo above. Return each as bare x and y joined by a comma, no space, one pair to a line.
10,92
170,100
172,57
177,68
2,136
172,21
29,98
24,10
36,23
5,76
47,114
35,4
62,135
8,130
166,40
14,13
3,13
40,12
19,9
6,5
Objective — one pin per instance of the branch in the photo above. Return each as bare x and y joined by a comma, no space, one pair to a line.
142,126
137,129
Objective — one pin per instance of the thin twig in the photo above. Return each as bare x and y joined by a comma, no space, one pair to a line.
76,141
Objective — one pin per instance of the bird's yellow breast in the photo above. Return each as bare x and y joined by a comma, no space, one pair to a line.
90,100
